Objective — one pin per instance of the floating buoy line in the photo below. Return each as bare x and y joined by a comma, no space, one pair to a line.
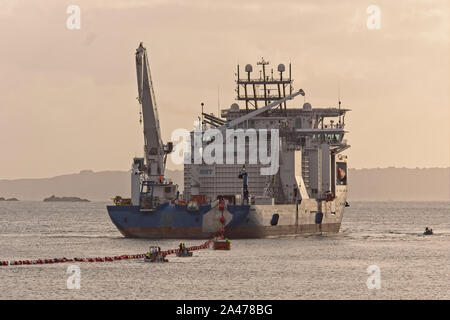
219,244
99,259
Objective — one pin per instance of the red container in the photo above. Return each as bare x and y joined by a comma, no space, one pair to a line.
201,198
221,245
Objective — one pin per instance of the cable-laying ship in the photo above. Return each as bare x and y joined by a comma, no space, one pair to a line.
306,193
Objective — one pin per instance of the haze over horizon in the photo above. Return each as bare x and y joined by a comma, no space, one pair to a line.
68,97
180,170
389,184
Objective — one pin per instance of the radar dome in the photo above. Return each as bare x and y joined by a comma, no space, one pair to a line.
248,68
234,107
281,67
307,106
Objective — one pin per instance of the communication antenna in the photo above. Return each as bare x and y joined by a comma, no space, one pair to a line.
339,101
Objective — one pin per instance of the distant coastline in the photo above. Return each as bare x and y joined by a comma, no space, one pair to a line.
380,184
64,199
9,199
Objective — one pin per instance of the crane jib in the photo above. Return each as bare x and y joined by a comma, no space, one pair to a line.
154,148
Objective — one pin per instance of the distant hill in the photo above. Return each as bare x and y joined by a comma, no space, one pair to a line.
102,185
397,184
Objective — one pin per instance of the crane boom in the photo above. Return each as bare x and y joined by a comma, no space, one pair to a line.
154,148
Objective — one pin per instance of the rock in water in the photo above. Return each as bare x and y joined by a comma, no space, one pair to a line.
65,199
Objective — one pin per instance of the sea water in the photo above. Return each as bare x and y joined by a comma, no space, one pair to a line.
377,239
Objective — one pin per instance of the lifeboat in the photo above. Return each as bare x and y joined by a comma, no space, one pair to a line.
184,253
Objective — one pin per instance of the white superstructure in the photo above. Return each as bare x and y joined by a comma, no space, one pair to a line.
310,143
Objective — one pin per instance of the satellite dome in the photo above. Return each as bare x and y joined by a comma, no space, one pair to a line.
234,107
248,68
307,106
281,67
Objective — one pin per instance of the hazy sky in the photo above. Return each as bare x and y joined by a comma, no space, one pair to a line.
68,97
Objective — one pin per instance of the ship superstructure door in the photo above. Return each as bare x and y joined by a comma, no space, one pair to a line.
326,167
318,160
299,175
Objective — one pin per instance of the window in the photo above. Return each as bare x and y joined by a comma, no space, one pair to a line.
341,173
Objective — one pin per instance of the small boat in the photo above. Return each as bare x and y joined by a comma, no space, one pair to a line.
221,244
184,253
154,255
428,232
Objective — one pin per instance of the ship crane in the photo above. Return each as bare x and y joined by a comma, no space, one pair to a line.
155,152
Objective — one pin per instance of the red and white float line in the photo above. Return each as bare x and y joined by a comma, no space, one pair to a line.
97,259
117,258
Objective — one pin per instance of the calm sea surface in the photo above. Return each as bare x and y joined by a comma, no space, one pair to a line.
385,234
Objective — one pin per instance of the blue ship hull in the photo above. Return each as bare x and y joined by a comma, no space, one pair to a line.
170,221
173,221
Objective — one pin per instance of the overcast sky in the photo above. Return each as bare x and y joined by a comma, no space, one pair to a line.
68,97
